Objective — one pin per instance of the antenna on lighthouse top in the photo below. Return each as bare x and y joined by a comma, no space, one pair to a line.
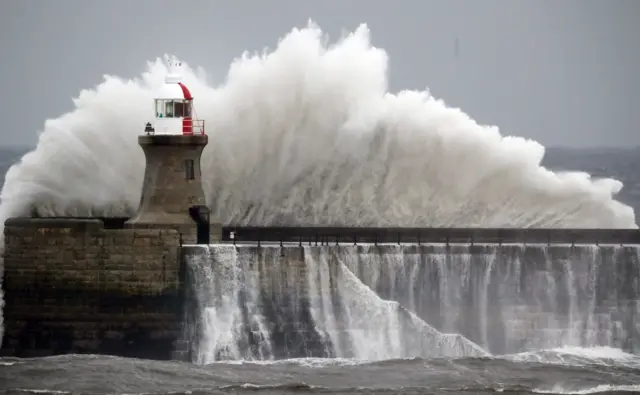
174,65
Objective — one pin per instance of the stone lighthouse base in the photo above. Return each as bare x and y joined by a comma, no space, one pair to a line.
172,184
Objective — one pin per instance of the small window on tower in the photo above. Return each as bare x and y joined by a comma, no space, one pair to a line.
189,170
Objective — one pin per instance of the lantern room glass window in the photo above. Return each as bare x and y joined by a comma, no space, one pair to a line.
168,109
173,108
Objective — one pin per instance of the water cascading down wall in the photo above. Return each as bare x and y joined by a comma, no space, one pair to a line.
380,301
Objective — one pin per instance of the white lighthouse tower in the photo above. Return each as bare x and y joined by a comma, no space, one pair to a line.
173,108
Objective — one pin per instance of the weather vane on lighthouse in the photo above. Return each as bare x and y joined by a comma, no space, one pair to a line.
173,106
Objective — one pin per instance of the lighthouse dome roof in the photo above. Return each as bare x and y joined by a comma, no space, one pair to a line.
173,88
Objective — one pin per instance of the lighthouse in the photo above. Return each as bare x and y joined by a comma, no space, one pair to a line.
172,144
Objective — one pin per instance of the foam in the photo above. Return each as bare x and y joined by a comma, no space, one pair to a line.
603,388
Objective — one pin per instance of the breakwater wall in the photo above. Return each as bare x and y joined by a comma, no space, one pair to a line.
97,286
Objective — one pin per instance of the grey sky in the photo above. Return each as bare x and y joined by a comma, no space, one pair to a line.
560,72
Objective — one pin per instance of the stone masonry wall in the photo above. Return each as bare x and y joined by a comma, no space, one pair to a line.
72,286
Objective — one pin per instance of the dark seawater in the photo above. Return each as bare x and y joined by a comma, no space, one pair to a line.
561,372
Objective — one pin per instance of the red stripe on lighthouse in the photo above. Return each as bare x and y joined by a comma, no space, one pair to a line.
185,91
187,126
187,123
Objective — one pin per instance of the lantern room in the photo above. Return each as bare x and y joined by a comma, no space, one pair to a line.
173,108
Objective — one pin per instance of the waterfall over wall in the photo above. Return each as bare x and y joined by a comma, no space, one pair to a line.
395,301
512,298
265,303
